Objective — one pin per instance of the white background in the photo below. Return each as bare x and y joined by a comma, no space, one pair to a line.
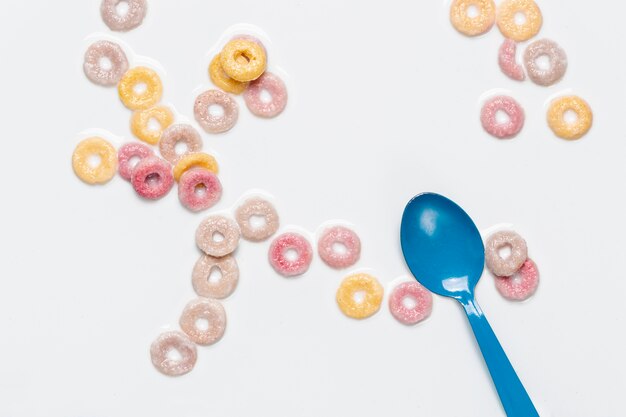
384,102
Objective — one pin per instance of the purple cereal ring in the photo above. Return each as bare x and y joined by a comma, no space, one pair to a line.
122,22
556,56
127,153
179,133
213,123
152,178
279,257
217,236
222,288
512,109
204,309
507,62
275,87
339,236
422,298
522,284
505,266
92,64
199,189
164,344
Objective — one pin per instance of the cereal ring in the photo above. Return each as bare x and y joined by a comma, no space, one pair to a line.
506,60
195,160
251,38
227,283
199,189
222,80
505,267
279,257
247,69
563,128
92,64
135,77
211,123
422,298
257,206
522,284
105,168
122,22
276,88
126,153
556,56
173,341
217,236
206,309
140,119
472,26
512,109
175,134
508,9
354,284
339,235
152,178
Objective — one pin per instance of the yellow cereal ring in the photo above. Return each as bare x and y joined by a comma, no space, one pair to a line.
356,283
506,19
564,129
476,25
135,77
107,166
193,160
243,60
222,80
140,119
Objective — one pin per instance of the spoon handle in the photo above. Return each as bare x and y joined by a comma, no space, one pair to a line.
513,396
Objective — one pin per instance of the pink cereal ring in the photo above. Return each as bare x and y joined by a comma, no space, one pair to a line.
167,342
152,178
199,189
507,62
276,88
422,298
216,123
279,256
125,155
512,109
521,285
339,235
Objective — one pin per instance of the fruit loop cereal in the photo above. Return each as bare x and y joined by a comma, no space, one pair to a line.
152,178
199,189
521,285
250,67
122,22
279,254
507,62
164,345
556,56
229,271
513,110
349,289
472,26
179,133
105,50
251,38
505,266
100,172
217,236
134,78
563,128
275,87
216,123
508,9
129,151
203,309
422,298
222,80
257,206
339,236
195,160
141,118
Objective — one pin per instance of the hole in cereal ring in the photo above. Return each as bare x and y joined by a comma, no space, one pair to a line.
215,275
173,354
257,221
505,251
133,161
472,11
570,116
180,147
543,62
200,189
358,296
202,324
502,117
94,160
153,124
291,255
153,179
265,96
409,302
140,88
218,237
105,63
340,248
242,58
520,18
215,110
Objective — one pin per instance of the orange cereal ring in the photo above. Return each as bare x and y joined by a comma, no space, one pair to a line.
563,128
140,119
505,19
354,284
193,160
247,69
106,167
135,77
222,80
474,25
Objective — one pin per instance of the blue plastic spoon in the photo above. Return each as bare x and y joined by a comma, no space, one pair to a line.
445,252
